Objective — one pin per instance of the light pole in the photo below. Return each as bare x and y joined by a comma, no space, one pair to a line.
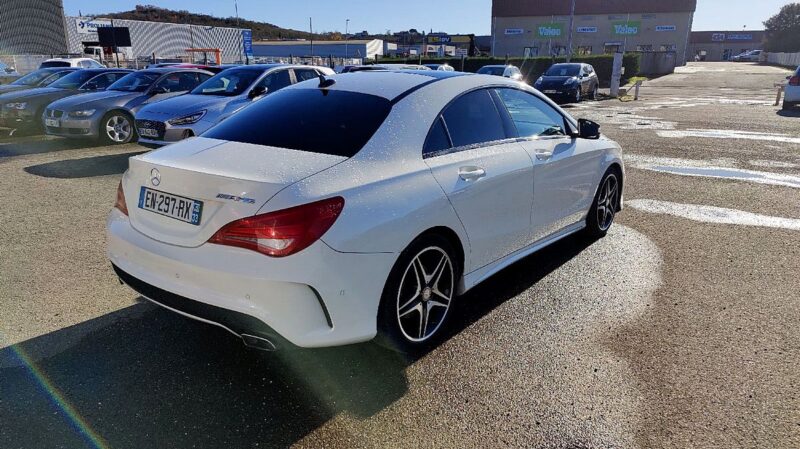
241,36
346,35
571,25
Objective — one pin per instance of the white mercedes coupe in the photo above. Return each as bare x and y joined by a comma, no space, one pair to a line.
359,205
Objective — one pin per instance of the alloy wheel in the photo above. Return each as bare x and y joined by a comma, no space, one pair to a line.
118,129
425,294
607,202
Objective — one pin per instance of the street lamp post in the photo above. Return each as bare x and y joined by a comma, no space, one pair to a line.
241,37
346,35
571,26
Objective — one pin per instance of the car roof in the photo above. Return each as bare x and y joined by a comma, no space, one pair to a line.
390,84
106,69
170,69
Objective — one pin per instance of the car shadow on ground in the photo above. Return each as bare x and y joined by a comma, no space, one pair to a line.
146,377
28,145
113,164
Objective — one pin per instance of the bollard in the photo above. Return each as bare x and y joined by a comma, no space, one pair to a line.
781,87
636,92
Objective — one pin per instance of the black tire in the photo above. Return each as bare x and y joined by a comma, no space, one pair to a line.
124,134
599,222
788,105
594,92
578,96
405,301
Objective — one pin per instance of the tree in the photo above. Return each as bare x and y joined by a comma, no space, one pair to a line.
783,30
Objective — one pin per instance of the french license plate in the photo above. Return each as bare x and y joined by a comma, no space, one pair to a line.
52,122
180,208
551,91
148,132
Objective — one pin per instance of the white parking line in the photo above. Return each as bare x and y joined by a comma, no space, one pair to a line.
716,168
728,134
711,214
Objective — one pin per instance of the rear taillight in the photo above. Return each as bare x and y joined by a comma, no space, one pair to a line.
283,232
794,81
120,203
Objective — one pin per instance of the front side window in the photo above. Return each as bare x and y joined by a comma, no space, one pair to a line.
473,119
329,122
531,116
228,83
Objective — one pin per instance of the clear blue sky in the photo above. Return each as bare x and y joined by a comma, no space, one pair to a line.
453,16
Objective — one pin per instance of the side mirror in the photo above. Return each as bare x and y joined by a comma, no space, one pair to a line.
257,92
159,90
588,129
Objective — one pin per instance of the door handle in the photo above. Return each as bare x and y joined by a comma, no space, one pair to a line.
544,155
471,173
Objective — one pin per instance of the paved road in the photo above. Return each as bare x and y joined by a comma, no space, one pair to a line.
679,329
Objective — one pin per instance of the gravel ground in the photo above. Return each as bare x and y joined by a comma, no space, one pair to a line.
669,332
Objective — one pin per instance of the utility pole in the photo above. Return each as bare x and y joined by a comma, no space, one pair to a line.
571,26
346,35
311,30
241,37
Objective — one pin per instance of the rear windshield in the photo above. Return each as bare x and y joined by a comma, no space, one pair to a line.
329,122
47,64
563,70
498,71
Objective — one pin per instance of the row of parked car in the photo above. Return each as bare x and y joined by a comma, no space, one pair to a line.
166,103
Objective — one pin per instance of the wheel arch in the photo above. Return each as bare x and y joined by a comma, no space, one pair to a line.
453,238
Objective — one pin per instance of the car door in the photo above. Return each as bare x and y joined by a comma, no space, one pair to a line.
564,167
485,174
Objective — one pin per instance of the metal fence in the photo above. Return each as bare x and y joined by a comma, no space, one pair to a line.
784,59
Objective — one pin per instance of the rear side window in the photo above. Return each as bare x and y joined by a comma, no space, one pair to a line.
473,119
437,139
276,81
328,122
305,74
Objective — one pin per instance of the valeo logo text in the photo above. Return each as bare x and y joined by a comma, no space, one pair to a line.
550,30
626,28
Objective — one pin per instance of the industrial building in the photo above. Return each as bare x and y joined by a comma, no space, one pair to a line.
542,27
306,48
39,27
723,45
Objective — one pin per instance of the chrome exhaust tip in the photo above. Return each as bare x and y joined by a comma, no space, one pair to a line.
259,343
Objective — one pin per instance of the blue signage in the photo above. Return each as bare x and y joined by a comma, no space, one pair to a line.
740,37
247,42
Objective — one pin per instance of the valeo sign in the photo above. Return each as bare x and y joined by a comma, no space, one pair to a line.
630,28
549,30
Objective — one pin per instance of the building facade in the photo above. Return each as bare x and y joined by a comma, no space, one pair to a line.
164,40
542,27
723,45
352,48
32,27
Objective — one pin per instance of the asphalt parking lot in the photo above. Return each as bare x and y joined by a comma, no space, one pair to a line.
679,329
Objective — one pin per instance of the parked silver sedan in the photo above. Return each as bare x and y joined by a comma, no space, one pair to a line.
215,100
108,115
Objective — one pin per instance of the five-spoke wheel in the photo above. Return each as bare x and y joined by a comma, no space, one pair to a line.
605,206
116,128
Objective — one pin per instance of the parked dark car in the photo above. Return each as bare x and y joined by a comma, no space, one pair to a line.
108,115
23,110
569,82
38,78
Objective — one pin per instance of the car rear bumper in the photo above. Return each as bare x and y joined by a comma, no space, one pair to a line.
318,297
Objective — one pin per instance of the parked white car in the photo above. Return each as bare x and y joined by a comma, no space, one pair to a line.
508,71
329,213
750,56
84,63
791,97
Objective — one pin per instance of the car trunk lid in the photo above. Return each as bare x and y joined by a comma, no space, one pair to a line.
232,180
